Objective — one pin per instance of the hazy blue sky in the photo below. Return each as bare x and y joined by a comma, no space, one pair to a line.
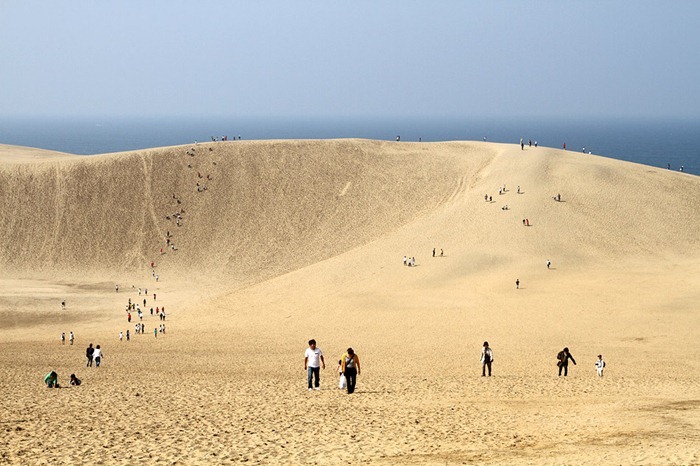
350,58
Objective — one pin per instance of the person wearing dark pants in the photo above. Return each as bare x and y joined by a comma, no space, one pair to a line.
486,359
313,361
563,363
88,354
350,366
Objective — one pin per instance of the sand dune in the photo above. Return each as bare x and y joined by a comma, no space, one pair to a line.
299,239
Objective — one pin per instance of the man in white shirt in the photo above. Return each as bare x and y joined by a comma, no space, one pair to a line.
313,361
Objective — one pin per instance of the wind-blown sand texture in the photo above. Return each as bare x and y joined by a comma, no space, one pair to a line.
293,240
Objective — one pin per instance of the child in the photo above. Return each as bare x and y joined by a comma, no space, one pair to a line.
600,365
341,377
51,380
74,380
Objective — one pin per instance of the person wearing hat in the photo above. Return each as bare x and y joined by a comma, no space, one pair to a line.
486,359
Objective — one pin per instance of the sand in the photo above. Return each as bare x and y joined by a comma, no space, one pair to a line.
294,240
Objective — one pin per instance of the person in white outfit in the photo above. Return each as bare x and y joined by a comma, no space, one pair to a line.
600,365
486,359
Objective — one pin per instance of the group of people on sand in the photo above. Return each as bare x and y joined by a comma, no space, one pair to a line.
348,368
349,365
71,338
409,261
91,354
442,253
563,358
140,328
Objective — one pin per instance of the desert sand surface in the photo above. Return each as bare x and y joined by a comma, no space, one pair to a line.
293,240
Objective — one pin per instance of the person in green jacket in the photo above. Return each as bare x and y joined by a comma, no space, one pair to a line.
51,380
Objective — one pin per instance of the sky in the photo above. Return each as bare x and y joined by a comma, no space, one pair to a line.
350,59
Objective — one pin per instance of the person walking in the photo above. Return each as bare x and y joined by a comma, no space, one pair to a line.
351,368
313,361
89,352
63,338
517,283
486,359
563,361
71,338
548,263
600,365
97,356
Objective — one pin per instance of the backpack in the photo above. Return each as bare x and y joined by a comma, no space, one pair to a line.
561,356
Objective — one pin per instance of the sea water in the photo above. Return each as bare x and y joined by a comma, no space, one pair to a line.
663,143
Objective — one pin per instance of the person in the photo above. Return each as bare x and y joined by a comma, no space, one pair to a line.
155,332
89,353
442,253
600,365
97,356
522,144
74,380
128,336
433,252
351,368
342,383
563,361
51,380
128,316
486,359
63,305
71,338
139,291
63,338
117,287
548,263
121,336
517,283
313,361
518,189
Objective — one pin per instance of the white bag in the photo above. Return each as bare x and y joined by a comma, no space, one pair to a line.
342,383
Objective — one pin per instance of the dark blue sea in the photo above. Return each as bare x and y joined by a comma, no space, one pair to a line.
659,143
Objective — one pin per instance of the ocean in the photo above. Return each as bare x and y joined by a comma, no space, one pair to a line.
659,143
